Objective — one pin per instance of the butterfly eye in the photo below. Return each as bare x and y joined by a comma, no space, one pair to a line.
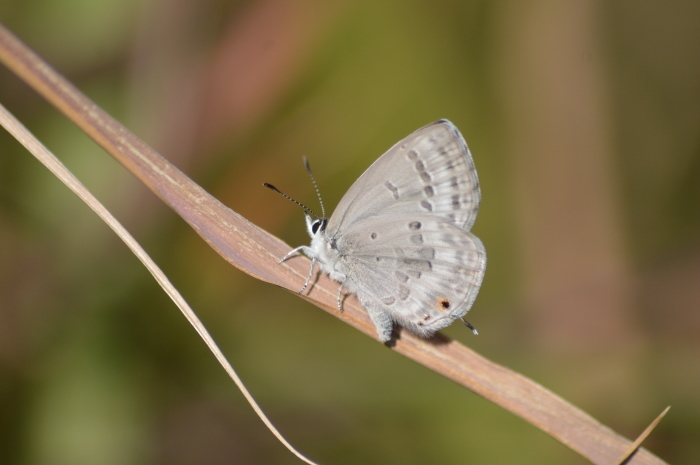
318,225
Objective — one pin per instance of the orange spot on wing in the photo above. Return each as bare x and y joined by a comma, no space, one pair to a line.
443,304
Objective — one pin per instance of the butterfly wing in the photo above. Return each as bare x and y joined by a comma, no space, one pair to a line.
420,271
429,172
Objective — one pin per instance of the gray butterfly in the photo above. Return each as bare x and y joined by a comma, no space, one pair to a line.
399,239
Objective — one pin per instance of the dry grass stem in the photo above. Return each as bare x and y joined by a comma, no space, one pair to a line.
625,459
49,160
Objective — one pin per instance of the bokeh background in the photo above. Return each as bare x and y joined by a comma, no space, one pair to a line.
584,122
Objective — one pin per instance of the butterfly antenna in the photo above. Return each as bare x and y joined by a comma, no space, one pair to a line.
313,180
306,209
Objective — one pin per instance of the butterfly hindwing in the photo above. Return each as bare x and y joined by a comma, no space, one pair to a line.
424,273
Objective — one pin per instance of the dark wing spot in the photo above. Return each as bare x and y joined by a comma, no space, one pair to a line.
449,239
414,264
388,300
412,154
414,225
461,270
427,205
427,253
444,303
394,190
373,235
413,274
416,239
429,191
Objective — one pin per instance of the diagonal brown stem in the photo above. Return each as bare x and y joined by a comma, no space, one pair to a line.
257,253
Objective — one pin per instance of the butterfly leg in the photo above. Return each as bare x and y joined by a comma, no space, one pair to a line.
306,251
340,294
303,249
311,273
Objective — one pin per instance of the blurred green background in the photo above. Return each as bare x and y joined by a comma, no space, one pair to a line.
584,122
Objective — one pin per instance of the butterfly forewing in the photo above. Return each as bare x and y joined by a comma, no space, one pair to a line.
429,172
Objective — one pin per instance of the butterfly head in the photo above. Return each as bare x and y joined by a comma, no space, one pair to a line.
315,226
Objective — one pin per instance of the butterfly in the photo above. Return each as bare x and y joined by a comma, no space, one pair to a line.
400,237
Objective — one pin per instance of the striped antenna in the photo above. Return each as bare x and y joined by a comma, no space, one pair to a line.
306,209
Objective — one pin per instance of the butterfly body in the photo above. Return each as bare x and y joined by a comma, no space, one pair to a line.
399,239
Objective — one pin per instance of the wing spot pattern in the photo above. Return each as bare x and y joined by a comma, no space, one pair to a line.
373,235
426,205
388,300
427,253
424,175
404,292
417,265
393,189
416,239
414,225
402,277
412,155
429,191
449,239
415,274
